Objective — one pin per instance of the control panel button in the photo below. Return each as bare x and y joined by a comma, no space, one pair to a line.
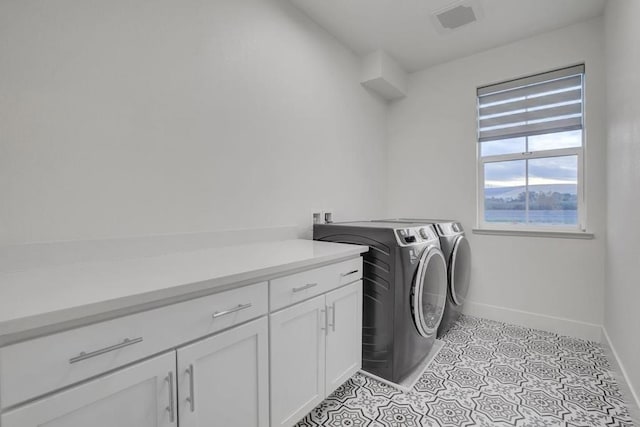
425,234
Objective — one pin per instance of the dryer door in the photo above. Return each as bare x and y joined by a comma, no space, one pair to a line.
459,270
429,292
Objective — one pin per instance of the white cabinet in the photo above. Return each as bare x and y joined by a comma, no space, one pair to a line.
142,395
297,360
25,374
315,347
344,336
223,380
229,359
292,289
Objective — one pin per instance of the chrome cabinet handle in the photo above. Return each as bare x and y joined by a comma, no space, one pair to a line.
349,273
325,328
231,310
170,409
192,398
84,355
302,288
333,317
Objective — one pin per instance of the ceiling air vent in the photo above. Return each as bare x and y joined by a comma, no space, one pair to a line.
457,15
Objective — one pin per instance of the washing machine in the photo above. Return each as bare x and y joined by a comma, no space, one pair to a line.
457,252
404,292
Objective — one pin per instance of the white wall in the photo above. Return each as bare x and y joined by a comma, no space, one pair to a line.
432,173
122,118
129,118
622,314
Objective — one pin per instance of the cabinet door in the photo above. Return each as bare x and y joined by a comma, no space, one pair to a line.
142,395
297,360
344,339
223,380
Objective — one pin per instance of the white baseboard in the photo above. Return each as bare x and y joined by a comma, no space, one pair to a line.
632,398
558,325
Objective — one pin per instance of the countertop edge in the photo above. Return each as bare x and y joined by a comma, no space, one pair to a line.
22,329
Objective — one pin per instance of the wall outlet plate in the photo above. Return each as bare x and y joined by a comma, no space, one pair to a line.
317,217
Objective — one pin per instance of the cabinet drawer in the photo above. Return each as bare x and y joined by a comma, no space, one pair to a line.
140,395
32,368
289,290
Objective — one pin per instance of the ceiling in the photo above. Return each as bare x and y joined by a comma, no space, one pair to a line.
405,30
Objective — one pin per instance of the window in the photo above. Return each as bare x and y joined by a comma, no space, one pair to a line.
530,150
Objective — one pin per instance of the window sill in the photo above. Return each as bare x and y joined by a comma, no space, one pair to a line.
535,233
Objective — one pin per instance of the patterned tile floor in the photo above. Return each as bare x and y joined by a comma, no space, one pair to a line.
489,374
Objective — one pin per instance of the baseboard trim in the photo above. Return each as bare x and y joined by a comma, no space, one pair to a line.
632,398
558,325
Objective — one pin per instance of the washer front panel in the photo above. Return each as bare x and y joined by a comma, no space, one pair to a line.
459,270
429,292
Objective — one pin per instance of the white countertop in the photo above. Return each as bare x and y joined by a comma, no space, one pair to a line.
41,299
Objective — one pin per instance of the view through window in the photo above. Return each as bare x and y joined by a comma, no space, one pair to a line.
530,151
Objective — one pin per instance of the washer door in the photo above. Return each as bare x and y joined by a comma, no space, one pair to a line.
459,270
429,292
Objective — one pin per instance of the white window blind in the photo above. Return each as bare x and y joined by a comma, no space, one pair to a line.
535,105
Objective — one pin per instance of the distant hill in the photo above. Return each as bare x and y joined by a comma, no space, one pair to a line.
513,192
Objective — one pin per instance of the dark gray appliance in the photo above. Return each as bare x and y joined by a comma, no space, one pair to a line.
457,252
404,291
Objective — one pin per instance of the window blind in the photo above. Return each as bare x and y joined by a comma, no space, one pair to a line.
539,104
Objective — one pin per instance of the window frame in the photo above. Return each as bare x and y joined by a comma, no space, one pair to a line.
580,227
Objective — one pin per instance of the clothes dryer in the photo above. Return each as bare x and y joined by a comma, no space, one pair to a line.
404,292
457,253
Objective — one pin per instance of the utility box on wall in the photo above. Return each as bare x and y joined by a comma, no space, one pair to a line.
382,74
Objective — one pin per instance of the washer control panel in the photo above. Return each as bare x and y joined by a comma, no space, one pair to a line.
450,228
415,235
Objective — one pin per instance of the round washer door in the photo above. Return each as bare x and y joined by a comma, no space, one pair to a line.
429,292
459,270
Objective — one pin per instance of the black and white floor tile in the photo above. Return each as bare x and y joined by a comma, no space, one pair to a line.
489,374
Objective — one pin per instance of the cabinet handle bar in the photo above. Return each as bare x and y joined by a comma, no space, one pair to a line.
171,409
349,273
302,288
325,321
333,317
231,310
192,398
84,355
